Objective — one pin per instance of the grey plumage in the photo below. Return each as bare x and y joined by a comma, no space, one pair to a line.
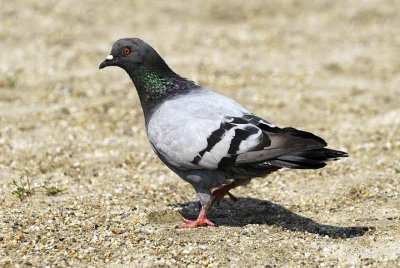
208,139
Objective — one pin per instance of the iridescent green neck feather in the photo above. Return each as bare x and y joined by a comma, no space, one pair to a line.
154,85
157,82
151,83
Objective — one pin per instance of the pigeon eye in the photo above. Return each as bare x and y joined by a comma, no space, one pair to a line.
126,51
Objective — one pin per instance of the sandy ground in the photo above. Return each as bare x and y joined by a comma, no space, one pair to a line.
330,67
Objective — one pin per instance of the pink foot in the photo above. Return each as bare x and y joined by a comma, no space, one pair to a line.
201,220
197,223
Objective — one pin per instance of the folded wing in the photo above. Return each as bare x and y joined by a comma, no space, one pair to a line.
209,131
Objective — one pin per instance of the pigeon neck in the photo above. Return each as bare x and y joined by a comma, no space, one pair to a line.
151,83
154,84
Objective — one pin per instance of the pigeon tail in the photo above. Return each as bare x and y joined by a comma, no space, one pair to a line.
309,159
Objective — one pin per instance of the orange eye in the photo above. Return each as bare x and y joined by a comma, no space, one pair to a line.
126,51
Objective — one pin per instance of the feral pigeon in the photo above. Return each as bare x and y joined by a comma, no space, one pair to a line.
208,139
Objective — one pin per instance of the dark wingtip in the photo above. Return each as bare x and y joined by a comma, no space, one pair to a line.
340,153
333,154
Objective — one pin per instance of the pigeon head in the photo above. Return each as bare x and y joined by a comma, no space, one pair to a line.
130,53
152,77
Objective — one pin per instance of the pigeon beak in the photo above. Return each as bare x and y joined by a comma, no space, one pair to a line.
107,62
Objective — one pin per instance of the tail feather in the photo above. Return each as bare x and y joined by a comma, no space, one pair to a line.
310,159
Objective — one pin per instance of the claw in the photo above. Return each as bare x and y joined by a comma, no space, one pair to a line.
232,197
196,223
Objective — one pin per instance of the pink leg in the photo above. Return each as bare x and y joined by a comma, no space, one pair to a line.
217,195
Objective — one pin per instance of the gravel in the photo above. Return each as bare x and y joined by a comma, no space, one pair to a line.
328,67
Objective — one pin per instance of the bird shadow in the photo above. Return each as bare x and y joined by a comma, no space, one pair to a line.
255,211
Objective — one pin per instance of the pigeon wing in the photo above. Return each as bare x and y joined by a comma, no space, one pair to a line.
205,130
